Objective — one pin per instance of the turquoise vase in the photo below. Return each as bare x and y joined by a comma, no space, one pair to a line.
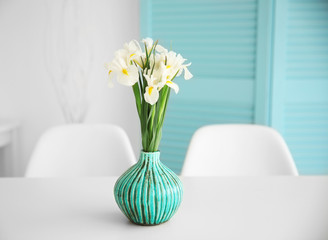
148,193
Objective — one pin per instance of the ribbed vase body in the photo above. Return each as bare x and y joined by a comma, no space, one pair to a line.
148,193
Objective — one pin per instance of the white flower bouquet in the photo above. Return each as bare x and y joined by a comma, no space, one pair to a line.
151,72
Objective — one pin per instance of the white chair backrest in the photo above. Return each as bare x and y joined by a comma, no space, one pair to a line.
238,149
81,150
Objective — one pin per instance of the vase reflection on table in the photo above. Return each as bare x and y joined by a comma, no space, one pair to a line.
148,193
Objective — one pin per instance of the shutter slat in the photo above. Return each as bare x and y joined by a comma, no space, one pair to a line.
306,73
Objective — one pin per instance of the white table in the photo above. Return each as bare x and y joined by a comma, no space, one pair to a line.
244,208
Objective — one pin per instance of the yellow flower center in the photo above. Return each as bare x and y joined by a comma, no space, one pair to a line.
169,82
110,72
150,90
124,71
168,66
168,76
132,55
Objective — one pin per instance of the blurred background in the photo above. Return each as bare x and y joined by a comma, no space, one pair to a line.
254,61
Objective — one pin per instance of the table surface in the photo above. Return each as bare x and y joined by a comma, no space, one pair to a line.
244,208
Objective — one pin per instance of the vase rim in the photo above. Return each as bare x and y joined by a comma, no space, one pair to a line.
142,151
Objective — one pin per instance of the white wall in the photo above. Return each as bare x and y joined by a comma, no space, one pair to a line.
26,90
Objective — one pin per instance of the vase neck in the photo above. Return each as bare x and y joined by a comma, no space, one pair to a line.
149,156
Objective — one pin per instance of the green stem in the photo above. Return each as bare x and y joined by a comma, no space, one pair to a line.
151,116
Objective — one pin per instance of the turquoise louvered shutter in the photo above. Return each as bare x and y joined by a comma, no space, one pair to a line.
227,43
300,81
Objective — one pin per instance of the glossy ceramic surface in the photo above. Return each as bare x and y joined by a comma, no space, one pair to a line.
148,193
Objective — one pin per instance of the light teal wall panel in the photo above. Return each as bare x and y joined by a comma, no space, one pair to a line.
229,62
263,62
300,79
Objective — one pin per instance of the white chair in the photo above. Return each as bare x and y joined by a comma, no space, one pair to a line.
238,149
81,150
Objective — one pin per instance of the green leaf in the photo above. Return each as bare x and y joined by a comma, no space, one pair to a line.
143,64
136,92
163,97
175,75
165,106
158,139
147,57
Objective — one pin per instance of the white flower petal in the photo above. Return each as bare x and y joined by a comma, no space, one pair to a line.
161,49
128,76
173,85
151,95
110,80
133,50
150,78
149,43
147,79
134,46
115,65
187,74
121,54
109,69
